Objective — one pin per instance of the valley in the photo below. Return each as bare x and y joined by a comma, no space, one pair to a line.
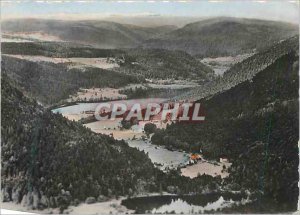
81,63
221,64
135,137
58,158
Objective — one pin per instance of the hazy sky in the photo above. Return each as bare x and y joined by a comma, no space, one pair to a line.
84,9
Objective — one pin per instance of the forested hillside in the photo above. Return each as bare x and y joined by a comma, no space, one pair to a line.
49,161
255,125
57,161
224,36
51,83
148,63
164,64
251,113
57,49
243,71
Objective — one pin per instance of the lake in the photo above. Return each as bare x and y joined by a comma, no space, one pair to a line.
161,157
187,204
79,108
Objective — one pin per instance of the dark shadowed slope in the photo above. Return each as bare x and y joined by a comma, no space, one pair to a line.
244,70
49,161
57,50
255,125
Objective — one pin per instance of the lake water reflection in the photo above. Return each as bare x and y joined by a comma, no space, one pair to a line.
161,156
187,204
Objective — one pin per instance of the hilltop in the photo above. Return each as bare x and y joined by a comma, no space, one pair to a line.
102,34
220,36
224,36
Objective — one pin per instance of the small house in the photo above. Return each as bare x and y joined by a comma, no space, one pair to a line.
223,159
194,158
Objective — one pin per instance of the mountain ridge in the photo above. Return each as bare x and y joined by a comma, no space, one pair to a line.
224,36
208,37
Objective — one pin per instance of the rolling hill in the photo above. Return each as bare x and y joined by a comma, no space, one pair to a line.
102,34
164,64
51,83
224,36
150,63
221,36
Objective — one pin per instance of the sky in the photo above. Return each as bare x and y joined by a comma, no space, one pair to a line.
91,9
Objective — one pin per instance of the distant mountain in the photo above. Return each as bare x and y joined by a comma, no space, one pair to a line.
102,34
210,37
151,20
224,36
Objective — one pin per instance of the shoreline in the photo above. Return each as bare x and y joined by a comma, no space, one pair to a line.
112,206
